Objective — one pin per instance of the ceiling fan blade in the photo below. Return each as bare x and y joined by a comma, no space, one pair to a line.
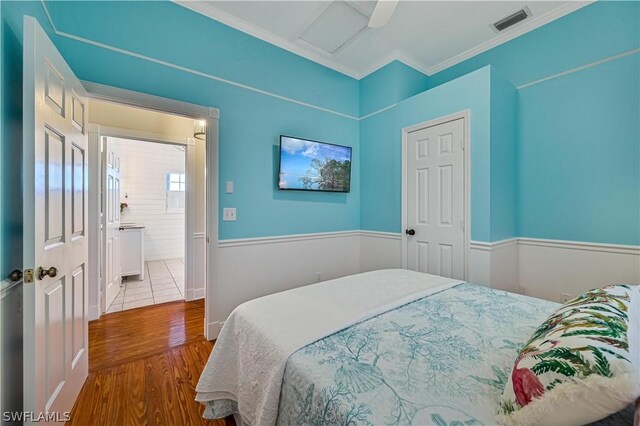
382,13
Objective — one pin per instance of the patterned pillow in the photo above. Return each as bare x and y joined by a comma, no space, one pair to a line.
580,365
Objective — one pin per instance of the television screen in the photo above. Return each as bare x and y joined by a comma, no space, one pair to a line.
314,166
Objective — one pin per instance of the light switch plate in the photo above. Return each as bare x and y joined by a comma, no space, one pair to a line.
229,214
229,188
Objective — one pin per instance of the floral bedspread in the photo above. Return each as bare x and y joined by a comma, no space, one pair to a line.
441,360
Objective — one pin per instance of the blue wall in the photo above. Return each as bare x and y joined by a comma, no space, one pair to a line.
491,102
564,159
2,166
389,85
168,32
381,148
10,151
558,159
503,158
250,122
579,155
578,136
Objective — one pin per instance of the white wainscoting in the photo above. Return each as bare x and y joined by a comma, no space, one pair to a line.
548,268
380,250
552,269
494,264
255,267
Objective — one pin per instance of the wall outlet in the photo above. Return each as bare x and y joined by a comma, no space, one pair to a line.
318,277
565,297
229,214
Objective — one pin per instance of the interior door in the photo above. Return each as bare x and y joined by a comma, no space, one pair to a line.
55,227
113,277
435,200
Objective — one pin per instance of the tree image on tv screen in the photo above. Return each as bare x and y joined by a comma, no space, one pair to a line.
327,175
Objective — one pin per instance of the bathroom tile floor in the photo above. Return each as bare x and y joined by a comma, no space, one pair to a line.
163,282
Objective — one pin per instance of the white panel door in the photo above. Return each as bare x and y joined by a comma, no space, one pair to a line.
435,200
55,227
113,270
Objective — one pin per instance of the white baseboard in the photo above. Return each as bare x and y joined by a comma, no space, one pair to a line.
94,312
189,294
213,329
199,293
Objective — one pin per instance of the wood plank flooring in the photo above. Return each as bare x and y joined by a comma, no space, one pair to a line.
133,334
144,365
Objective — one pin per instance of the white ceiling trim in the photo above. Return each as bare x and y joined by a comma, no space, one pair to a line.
230,20
524,27
399,56
212,12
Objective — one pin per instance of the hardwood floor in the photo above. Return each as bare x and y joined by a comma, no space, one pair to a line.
144,365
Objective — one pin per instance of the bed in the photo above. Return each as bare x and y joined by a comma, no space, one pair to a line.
438,355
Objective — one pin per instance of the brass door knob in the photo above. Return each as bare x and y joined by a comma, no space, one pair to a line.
15,275
51,272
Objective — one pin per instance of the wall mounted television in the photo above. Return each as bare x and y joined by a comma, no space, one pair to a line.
307,165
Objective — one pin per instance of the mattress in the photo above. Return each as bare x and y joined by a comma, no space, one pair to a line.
440,360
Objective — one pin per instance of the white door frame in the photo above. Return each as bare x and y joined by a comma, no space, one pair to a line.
466,117
190,172
196,112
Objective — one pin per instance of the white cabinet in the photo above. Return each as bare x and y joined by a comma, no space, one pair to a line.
132,250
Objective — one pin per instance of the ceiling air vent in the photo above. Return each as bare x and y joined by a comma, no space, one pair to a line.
510,20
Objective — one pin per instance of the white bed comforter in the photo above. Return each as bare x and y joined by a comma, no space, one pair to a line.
248,362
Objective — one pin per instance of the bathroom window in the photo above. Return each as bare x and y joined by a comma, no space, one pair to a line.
176,187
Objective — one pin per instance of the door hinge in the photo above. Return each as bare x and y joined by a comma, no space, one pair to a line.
28,276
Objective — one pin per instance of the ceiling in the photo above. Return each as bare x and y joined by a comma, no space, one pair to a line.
427,35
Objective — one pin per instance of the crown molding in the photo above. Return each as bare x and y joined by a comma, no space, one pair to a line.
212,12
525,27
396,55
206,9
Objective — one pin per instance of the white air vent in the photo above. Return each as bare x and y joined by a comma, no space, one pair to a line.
337,25
511,20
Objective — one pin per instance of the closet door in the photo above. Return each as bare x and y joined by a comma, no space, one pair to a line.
435,200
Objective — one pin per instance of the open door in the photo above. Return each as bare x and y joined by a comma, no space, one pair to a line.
111,201
55,228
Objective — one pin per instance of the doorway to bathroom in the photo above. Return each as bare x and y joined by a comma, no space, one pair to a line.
145,203
149,167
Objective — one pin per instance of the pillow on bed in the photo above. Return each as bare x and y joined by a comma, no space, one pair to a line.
580,365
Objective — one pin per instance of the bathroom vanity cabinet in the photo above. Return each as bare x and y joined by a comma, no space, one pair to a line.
132,250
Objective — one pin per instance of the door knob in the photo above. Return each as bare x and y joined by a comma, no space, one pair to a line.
43,272
15,275
410,232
